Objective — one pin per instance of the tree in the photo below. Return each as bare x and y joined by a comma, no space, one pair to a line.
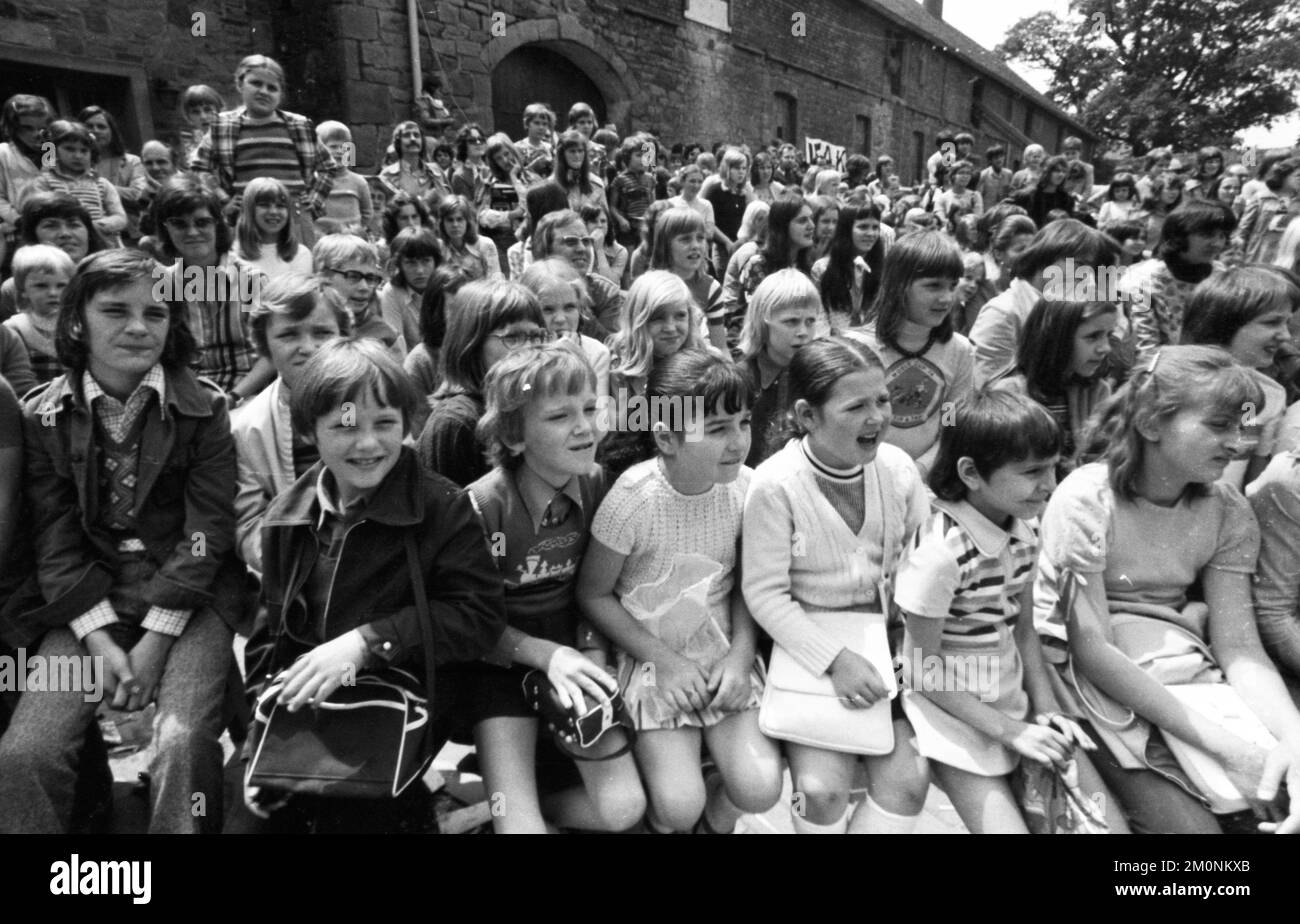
1166,72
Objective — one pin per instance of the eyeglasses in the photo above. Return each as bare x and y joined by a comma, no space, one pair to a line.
514,341
181,225
572,240
353,277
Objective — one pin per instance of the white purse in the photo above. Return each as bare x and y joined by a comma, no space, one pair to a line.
804,709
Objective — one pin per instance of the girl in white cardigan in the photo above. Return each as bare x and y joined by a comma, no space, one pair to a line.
826,519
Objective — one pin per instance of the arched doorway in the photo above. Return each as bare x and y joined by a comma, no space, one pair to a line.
536,74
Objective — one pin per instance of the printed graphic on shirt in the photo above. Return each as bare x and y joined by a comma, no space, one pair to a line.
550,559
915,389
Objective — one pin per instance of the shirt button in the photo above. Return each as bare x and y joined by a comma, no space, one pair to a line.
388,646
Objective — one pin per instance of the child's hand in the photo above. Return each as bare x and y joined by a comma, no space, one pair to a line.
119,677
148,657
623,226
857,683
1041,743
730,683
313,677
1072,730
260,803
682,683
1282,764
575,676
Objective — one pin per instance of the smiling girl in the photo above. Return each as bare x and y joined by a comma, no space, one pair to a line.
826,519
265,238
1143,598
660,579
658,318
681,247
1247,311
849,275
928,366
791,232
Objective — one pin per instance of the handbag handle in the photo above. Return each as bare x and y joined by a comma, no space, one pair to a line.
1065,602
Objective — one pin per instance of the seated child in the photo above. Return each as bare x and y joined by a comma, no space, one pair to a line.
41,273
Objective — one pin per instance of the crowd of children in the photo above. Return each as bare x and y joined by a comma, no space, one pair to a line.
776,467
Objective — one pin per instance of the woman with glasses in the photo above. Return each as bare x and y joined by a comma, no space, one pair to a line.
487,320
472,177
218,289
406,170
472,252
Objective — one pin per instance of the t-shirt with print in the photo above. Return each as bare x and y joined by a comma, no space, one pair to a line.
538,555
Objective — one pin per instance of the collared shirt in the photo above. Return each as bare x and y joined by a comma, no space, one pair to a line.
540,498
117,417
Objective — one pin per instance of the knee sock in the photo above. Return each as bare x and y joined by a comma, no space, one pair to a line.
870,818
804,826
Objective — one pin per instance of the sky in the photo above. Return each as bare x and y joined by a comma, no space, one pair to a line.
987,22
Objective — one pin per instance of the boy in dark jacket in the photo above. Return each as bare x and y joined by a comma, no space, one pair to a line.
130,477
336,583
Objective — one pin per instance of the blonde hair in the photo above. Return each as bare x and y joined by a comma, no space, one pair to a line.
518,380
787,288
39,258
332,131
651,293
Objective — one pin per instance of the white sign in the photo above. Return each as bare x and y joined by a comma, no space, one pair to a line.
834,155
715,13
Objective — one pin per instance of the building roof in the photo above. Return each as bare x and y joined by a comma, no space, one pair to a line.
912,15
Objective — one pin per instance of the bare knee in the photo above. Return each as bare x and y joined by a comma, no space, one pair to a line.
620,807
818,798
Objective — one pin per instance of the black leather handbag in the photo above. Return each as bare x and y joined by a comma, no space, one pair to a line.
582,729
369,740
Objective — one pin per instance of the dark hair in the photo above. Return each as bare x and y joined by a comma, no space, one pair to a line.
1046,346
561,175
1226,302
63,130
920,255
1195,216
462,139
992,427
116,146
993,151
1206,154
452,205
723,386
964,137
837,281
395,205
444,283
1277,174
987,225
38,206
473,313
1127,231
817,366
579,110
295,296
413,244
1055,162
776,252
1122,181
945,135
543,199
1066,238
112,269
345,369
180,196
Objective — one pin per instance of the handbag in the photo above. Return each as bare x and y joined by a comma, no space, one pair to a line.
369,740
573,727
806,710
1051,801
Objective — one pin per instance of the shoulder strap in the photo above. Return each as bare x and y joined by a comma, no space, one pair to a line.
422,609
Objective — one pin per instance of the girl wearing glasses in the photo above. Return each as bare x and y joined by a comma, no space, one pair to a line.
472,252
486,321
472,176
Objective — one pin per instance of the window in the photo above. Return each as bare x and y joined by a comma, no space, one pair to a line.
976,102
895,53
713,13
919,173
864,133
787,117
1029,120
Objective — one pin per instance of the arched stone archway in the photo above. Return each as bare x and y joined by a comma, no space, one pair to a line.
565,35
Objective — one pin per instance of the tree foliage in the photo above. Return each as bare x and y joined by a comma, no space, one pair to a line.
1166,72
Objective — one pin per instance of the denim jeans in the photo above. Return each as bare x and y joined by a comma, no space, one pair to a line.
40,751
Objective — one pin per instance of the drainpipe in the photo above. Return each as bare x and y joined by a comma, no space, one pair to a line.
412,28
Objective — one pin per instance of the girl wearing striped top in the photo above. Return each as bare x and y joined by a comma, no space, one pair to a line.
75,153
979,698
